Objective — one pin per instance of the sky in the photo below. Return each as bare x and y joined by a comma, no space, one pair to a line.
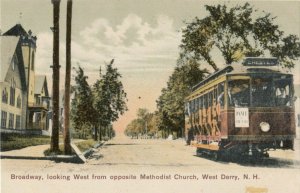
141,35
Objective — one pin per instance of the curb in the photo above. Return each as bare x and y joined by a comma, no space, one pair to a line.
58,158
90,151
80,157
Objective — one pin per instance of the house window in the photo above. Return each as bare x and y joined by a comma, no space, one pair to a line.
32,61
14,62
11,120
38,100
13,66
18,121
19,101
12,92
3,119
4,96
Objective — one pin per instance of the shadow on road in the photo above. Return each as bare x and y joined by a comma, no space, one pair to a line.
270,162
111,144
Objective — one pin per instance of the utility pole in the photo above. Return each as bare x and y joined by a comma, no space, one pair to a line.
146,128
67,140
55,87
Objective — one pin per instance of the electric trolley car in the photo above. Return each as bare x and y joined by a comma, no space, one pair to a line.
243,109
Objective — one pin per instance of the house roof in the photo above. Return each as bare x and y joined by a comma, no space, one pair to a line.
8,48
17,30
39,83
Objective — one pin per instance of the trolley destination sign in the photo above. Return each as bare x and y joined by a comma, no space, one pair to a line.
254,61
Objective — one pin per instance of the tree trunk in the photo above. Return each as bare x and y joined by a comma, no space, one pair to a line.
55,89
100,133
67,140
96,133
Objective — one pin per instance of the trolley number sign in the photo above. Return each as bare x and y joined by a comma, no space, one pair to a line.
241,116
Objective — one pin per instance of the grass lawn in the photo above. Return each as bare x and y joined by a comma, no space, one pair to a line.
10,141
85,145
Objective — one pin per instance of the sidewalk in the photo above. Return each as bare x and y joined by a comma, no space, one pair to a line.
37,153
31,151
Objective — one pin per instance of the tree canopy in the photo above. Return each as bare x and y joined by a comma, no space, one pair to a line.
237,32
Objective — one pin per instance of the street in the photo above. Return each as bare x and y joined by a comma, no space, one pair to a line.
153,165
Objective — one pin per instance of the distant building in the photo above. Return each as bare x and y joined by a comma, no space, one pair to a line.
25,96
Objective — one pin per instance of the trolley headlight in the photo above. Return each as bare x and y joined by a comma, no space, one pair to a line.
264,126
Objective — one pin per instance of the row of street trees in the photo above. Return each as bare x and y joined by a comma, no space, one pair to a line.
231,33
95,108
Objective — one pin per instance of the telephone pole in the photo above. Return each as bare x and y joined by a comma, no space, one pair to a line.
67,140
55,79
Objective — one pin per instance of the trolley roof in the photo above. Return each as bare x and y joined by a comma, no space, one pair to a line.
250,65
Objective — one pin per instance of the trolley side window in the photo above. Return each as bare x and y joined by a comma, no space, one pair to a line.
186,108
201,102
196,104
190,107
193,105
205,102
220,98
215,96
210,98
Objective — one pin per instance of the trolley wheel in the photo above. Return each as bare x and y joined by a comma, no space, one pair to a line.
216,155
199,152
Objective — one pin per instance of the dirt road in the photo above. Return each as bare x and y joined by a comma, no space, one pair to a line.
150,165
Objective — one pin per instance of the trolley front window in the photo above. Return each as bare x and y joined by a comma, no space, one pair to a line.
262,92
271,92
238,93
283,92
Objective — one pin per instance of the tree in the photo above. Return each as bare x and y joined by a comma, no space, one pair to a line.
67,142
146,124
236,32
152,124
134,128
54,144
100,101
83,114
143,118
170,103
110,97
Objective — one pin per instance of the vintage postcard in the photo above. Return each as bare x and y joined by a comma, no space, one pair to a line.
153,96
